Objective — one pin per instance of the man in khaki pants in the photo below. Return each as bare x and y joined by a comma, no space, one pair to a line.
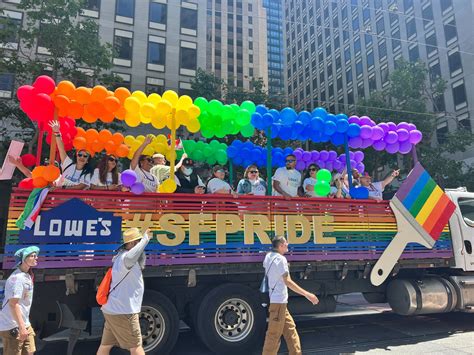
280,321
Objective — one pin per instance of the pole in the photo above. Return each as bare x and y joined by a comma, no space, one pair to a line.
348,161
52,148
173,144
39,150
414,155
269,160
231,173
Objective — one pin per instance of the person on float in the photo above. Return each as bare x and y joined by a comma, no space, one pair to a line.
162,171
287,179
376,188
106,176
355,180
187,180
19,165
252,183
76,173
310,181
142,164
217,184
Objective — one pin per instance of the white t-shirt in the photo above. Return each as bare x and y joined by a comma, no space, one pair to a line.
19,285
289,180
258,188
276,266
147,179
108,180
71,175
375,190
216,184
309,181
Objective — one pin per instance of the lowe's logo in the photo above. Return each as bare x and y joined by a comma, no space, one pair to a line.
74,221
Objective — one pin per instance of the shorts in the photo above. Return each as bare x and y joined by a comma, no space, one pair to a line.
13,346
122,330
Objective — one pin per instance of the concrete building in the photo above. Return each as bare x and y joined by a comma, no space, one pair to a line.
341,50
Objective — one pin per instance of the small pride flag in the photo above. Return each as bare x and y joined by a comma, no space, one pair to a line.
422,211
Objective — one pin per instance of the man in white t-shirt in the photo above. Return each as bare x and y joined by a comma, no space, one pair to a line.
286,180
376,188
280,321
15,327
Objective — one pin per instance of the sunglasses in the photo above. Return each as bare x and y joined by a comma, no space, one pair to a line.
80,155
312,169
253,171
150,160
290,161
112,159
220,171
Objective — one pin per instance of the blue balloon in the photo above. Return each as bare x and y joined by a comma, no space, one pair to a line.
261,109
331,117
353,130
298,127
248,145
237,144
267,120
317,124
237,160
288,116
285,132
275,114
286,151
337,138
316,136
341,116
231,151
304,117
361,192
325,138
319,112
257,120
329,128
342,125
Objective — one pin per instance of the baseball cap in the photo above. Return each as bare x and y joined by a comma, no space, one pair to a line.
188,162
158,155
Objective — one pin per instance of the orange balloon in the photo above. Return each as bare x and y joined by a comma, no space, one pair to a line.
121,94
95,108
99,93
110,93
107,117
66,88
122,151
76,110
38,172
79,143
39,182
111,103
87,116
97,145
105,135
82,95
117,138
51,173
61,102
80,132
92,135
110,147
120,113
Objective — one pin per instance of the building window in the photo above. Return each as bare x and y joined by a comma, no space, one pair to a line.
10,28
349,76
158,13
413,54
459,95
431,44
384,74
464,122
441,133
357,46
408,5
360,91
370,60
156,53
372,83
450,31
188,58
411,28
188,21
396,44
347,54
6,85
439,104
382,50
350,97
91,8
359,68
355,24
446,5
427,14
154,85
454,60
126,81
123,46
434,71
125,11
380,26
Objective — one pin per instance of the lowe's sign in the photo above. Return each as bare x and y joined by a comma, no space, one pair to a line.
74,221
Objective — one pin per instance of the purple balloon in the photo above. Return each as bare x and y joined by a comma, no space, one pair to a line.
365,120
377,133
366,143
379,145
137,188
353,163
306,156
323,155
403,125
321,164
354,119
351,155
391,137
332,155
337,165
330,165
358,156
128,178
360,167
384,126
411,127
405,147
300,165
365,131
298,154
392,126
355,142
314,155
415,136
403,134
392,148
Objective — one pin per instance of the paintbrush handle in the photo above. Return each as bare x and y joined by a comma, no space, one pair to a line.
389,258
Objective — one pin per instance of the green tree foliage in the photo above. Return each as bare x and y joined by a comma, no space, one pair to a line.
406,99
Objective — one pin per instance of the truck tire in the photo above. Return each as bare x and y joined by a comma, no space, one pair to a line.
159,323
231,319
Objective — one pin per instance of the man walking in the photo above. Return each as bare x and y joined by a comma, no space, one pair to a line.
280,321
123,306
15,327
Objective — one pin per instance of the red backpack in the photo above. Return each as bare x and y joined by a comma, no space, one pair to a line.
103,291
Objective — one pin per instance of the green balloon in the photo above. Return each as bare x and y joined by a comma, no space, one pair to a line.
227,113
205,119
235,107
323,175
220,132
223,146
207,132
211,160
247,131
322,188
215,107
221,156
249,106
198,155
202,103
233,128
214,144
189,146
243,117
208,151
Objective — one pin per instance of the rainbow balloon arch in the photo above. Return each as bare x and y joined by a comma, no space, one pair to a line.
44,101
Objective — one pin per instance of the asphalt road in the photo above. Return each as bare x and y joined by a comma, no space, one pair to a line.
355,328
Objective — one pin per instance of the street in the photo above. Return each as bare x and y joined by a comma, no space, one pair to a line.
355,327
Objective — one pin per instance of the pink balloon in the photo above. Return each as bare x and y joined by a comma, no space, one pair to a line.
415,136
44,84
403,125
392,126
137,188
314,155
332,155
330,165
377,133
359,156
298,154
411,127
367,142
337,165
384,126
306,156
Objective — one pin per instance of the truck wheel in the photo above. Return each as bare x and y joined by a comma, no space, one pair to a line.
159,323
231,319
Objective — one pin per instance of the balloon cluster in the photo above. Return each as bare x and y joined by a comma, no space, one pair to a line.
35,100
68,131
94,142
322,186
328,160
212,153
391,137
220,120
90,104
44,175
319,125
159,144
129,179
159,110
244,154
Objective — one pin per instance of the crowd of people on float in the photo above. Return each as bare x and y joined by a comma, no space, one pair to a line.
78,173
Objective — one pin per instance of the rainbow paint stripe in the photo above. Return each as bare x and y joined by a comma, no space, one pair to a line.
425,201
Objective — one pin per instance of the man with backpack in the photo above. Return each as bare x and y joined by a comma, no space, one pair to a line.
125,297
280,321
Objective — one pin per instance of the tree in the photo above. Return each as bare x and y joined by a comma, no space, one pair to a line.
406,99
207,85
71,50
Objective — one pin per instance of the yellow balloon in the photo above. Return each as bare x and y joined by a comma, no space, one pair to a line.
128,140
184,102
140,95
163,108
182,117
193,125
135,146
171,96
148,110
160,148
154,98
171,155
140,138
132,104
161,138
160,189
130,155
132,119
169,185
144,119
158,123
148,150
194,112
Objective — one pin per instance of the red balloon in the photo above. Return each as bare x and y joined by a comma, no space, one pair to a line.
24,92
28,159
44,84
26,183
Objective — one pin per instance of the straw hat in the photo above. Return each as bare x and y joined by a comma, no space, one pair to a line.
131,235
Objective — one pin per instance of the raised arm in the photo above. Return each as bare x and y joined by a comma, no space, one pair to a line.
139,151
19,164
388,180
132,256
59,142
180,163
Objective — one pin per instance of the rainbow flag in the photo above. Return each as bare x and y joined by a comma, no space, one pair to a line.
424,200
